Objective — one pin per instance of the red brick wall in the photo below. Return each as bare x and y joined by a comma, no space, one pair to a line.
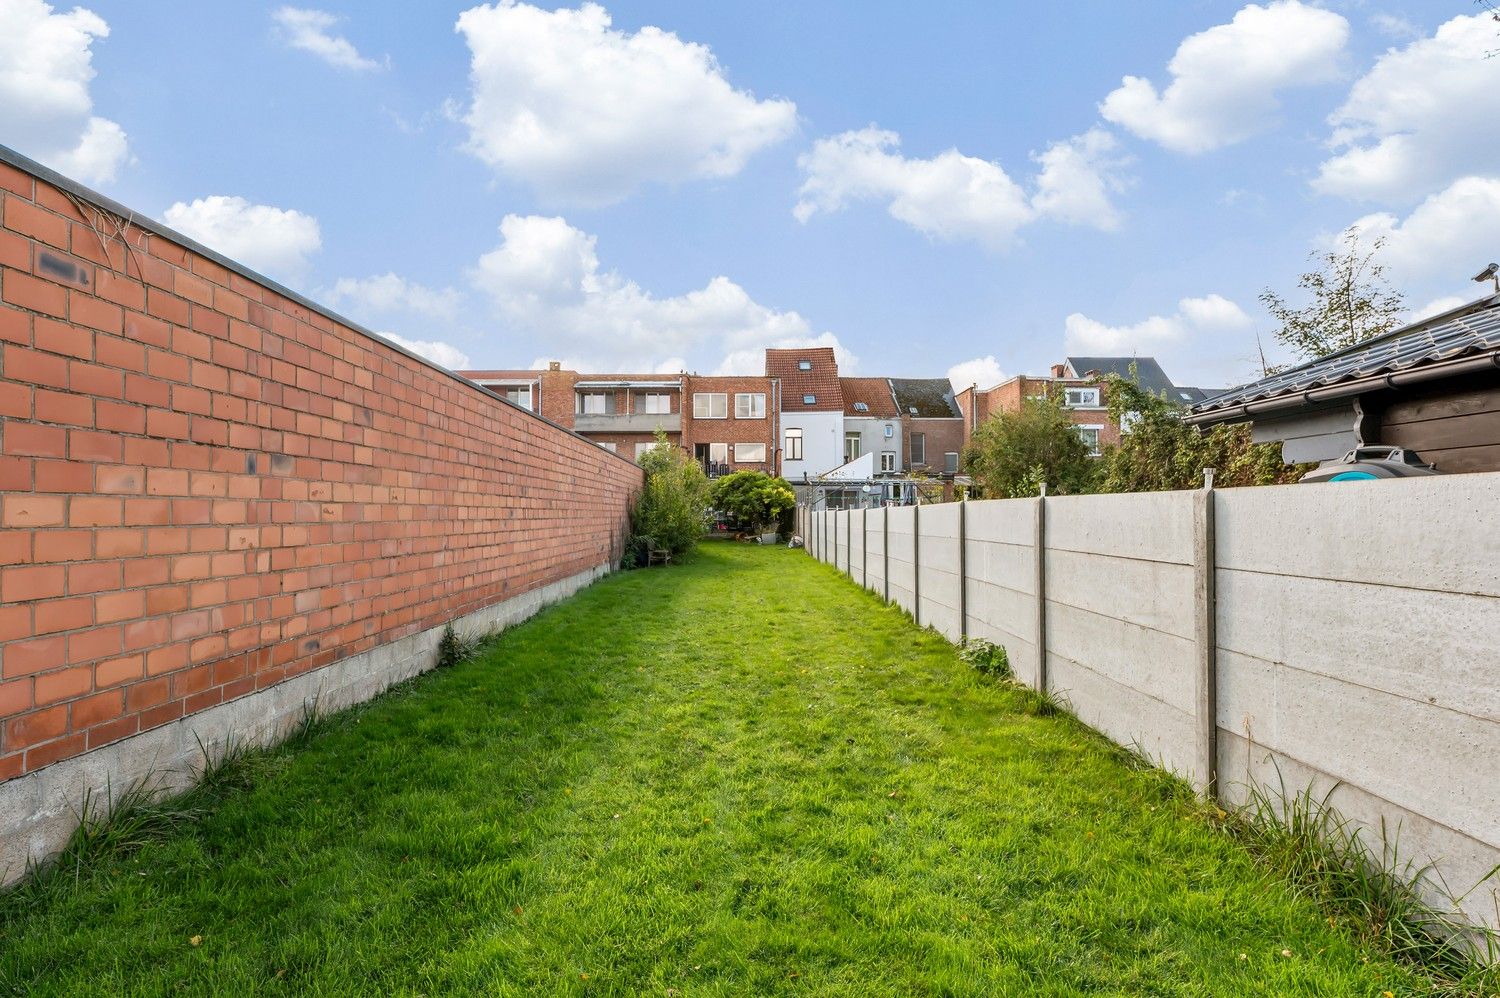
732,430
207,487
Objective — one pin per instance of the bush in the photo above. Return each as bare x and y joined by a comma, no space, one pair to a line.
753,498
1013,453
672,508
986,658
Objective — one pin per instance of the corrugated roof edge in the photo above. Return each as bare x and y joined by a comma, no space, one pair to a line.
12,158
1207,406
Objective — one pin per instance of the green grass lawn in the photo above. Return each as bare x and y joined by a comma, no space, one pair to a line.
738,776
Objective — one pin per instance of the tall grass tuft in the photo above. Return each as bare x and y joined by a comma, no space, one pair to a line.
1380,895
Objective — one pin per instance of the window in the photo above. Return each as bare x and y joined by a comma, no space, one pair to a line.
804,365
750,405
594,403
861,407
750,453
918,448
809,400
890,430
851,446
1090,436
718,453
612,448
950,463
710,405
887,460
1081,398
793,444
1128,421
520,395
643,447
656,403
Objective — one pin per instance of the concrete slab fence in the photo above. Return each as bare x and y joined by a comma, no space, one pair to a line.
1337,636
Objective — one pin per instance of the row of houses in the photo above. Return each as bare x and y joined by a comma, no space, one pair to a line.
803,420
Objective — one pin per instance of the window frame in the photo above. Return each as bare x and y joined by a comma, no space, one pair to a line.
750,460
858,440
809,399
509,391
789,452
804,365
918,449
583,403
645,400
1090,397
888,460
709,397
1098,430
755,400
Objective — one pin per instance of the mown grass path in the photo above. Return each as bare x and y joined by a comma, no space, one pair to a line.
741,776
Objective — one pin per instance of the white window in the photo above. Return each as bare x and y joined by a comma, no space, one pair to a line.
710,405
809,400
750,405
520,395
793,444
643,447
1090,435
890,431
804,365
918,448
887,460
1081,398
718,453
593,403
750,453
612,448
851,446
656,403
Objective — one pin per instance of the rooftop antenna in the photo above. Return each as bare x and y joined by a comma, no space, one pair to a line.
1490,273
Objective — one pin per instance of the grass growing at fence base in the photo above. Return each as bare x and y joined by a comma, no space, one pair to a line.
740,776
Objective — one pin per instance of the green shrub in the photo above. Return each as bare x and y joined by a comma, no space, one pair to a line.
672,508
986,658
753,498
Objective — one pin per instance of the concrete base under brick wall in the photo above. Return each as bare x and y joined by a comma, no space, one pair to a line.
39,811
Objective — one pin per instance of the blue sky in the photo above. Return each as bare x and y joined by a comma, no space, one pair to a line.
973,183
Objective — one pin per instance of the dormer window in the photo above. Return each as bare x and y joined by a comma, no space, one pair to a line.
804,365
809,400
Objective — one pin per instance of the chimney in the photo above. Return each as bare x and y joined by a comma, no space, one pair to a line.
1059,370
554,365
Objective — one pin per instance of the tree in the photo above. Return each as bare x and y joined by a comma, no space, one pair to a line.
1351,301
753,498
1162,452
672,508
1013,453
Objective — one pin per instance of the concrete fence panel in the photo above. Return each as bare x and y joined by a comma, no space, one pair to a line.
1000,535
941,595
901,558
875,537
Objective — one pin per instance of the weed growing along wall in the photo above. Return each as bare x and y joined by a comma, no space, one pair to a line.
1334,634
211,488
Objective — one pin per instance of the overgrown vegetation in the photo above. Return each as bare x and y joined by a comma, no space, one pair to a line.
1012,454
672,508
454,647
754,499
1370,887
985,658
637,792
1162,452
1350,301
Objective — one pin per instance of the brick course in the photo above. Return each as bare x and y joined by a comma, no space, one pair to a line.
208,487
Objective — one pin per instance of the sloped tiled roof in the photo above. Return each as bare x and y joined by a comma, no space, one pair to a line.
1148,373
1469,329
822,382
931,398
873,393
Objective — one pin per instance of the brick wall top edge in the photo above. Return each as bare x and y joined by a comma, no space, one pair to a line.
46,175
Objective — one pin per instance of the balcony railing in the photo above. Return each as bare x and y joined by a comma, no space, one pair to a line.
631,422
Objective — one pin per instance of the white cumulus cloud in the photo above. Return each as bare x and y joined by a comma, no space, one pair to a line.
274,241
952,196
1226,80
312,31
586,114
444,354
982,371
46,111
387,294
1453,234
1422,117
1195,317
546,281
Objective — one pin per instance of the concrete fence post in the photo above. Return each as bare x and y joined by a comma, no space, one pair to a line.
885,550
916,563
849,543
1040,545
864,548
1206,686
963,573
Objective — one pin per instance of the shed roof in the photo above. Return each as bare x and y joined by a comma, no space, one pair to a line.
925,398
1470,330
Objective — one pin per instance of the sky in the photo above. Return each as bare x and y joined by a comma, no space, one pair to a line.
971,189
